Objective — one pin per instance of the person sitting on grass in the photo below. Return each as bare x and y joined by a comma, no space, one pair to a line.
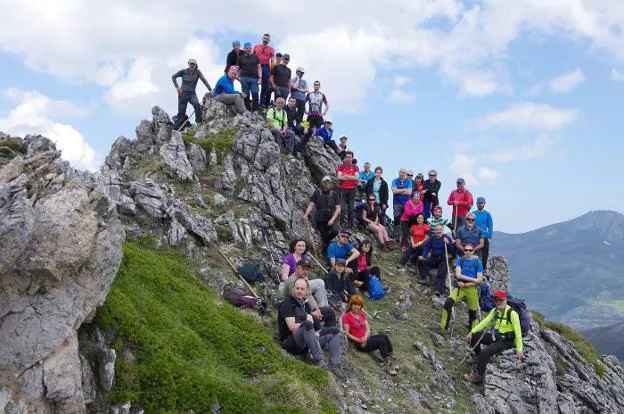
364,266
299,334
342,249
339,282
297,251
370,216
358,332
418,235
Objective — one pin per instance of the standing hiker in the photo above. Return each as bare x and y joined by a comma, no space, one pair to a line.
265,54
348,175
483,220
401,191
507,333
461,200
430,196
327,204
468,276
232,57
186,92
469,234
250,74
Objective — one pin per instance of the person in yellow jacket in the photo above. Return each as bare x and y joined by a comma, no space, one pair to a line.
506,333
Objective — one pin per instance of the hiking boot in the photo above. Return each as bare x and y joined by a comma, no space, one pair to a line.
390,244
390,368
337,371
321,364
473,377
357,283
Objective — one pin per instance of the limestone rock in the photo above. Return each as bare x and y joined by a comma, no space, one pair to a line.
498,273
106,368
89,385
197,157
174,156
321,161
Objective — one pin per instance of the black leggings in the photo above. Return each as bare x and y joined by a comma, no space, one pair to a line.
381,342
365,274
492,348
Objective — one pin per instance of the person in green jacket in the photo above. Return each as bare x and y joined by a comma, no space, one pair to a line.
506,333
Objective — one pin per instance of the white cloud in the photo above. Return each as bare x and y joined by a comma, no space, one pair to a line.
465,166
535,90
530,115
567,82
537,148
616,75
34,114
401,91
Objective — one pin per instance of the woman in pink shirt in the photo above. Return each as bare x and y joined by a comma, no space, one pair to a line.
410,211
364,266
358,332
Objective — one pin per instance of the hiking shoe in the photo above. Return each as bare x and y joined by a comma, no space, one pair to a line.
321,364
473,377
337,371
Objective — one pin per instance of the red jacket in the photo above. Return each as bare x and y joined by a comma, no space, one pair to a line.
465,202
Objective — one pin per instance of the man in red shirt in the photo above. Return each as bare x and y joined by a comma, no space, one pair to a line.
461,200
266,56
348,176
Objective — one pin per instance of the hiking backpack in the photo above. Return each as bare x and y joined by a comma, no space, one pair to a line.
525,318
251,272
375,289
474,262
486,299
239,298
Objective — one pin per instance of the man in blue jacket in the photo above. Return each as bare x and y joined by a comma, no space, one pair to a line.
326,133
224,91
484,222
186,93
437,258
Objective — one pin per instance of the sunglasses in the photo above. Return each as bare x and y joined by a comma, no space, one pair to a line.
410,175
470,219
344,236
432,175
371,199
468,250
499,300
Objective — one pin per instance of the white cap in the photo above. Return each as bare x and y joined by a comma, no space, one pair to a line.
300,69
327,178
329,120
192,61
344,136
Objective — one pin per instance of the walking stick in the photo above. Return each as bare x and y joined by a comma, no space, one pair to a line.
311,235
318,263
186,120
239,275
454,221
471,349
266,239
448,282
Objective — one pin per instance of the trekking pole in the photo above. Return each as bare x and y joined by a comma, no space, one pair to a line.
448,282
454,221
266,239
318,263
471,349
310,234
186,120
239,275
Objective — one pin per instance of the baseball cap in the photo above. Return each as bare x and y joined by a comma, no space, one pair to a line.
460,180
193,61
345,232
286,56
247,44
341,261
237,43
480,200
305,263
300,69
326,179
420,175
500,294
328,121
278,54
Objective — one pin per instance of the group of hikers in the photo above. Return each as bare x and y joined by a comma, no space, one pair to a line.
307,318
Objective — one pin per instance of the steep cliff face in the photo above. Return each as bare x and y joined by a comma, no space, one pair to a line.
224,185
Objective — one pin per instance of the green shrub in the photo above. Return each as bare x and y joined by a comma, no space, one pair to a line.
192,349
222,142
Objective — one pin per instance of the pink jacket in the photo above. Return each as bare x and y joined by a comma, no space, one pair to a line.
410,210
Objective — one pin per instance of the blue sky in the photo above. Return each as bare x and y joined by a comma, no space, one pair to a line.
522,99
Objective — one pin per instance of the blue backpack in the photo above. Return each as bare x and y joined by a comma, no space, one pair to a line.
375,289
525,318
486,299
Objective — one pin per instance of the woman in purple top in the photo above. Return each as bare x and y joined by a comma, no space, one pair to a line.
298,249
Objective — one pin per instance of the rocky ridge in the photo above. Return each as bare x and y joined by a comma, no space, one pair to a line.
61,235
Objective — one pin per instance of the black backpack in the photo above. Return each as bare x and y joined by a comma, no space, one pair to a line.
520,307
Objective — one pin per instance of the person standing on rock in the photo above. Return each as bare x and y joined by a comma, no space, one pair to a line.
225,93
266,55
280,78
316,99
327,204
401,191
469,234
186,92
233,56
468,277
298,333
277,121
250,73
431,190
483,220
461,200
348,176
299,89
506,334
358,332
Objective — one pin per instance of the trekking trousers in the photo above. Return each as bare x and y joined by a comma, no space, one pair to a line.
413,253
485,253
442,265
317,288
287,142
232,99
471,294
185,98
491,348
250,87
381,342
347,202
264,96
328,232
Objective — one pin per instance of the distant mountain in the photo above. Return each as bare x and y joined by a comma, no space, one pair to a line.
570,271
608,339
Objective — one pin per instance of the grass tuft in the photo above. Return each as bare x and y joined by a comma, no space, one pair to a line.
192,349
222,142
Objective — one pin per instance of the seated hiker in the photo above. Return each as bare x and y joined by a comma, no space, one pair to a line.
298,249
339,282
418,235
342,249
326,133
370,217
317,294
298,333
342,147
468,276
365,269
186,93
358,332
327,204
469,233
507,333
412,208
277,121
483,220
250,73
378,187
437,218
225,93
434,256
